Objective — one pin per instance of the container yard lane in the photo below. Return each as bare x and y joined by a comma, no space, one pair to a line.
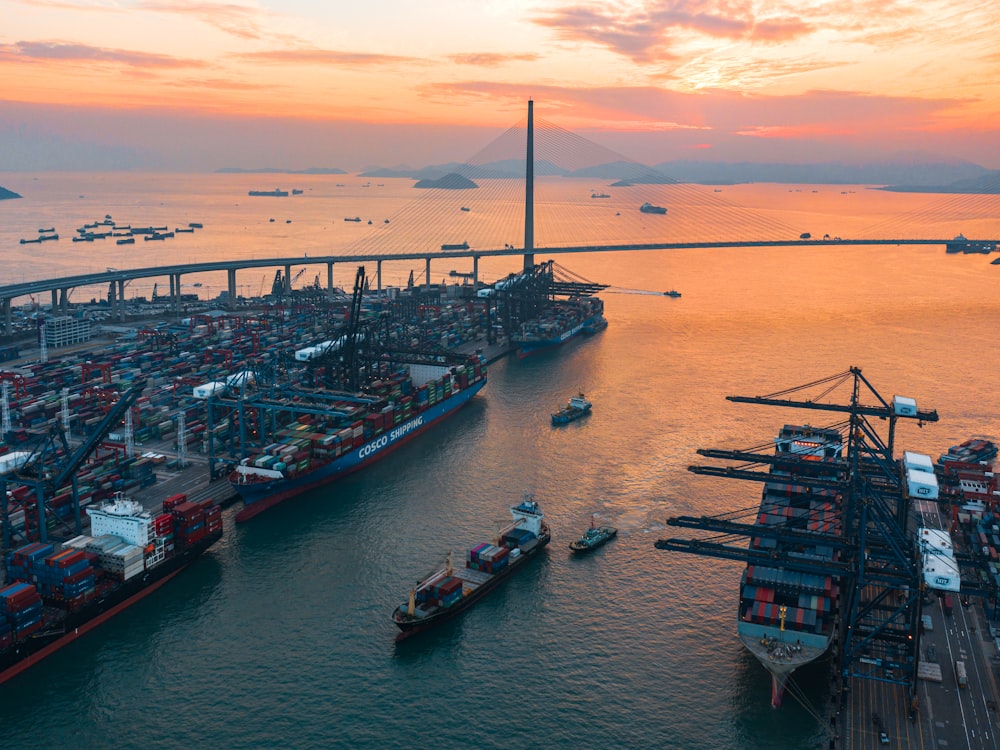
958,692
956,687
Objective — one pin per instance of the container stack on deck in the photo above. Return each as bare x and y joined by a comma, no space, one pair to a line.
488,558
443,591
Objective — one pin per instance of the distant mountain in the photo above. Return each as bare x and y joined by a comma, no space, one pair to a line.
6,194
987,184
278,170
915,172
912,173
450,181
505,169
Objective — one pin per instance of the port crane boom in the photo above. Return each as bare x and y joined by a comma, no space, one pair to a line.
37,473
877,563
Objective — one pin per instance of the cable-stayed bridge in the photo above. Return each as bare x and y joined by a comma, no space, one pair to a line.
540,188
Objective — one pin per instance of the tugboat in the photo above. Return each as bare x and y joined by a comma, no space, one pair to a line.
578,406
593,537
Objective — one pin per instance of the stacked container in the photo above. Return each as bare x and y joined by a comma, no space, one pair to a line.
21,611
488,558
443,591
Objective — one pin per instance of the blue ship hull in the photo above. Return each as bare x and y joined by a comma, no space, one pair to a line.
526,347
260,495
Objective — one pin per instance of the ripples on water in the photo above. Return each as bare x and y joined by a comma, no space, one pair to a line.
281,636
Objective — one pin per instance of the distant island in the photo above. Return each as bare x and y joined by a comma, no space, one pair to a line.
904,173
6,194
988,184
277,170
448,182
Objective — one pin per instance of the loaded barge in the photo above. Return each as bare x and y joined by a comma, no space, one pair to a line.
56,593
449,591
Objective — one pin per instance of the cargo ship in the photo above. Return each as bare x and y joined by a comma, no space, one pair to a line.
449,591
276,193
787,618
564,319
56,593
649,208
961,244
349,434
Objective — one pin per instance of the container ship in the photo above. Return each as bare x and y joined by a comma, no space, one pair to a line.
449,591
787,618
276,193
55,593
564,320
351,431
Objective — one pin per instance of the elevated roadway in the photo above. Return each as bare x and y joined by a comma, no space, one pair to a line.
116,279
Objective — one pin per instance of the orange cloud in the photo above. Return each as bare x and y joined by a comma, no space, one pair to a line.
649,33
243,21
488,60
325,57
21,52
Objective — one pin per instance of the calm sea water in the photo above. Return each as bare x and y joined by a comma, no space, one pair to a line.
281,637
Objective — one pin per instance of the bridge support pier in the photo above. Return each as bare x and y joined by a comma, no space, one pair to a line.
329,279
121,301
175,292
64,301
427,271
231,278
288,280
378,275
475,271
55,302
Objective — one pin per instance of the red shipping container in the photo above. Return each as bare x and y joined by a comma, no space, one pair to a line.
77,577
173,501
73,558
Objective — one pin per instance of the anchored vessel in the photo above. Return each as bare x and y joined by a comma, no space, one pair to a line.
786,618
593,538
578,406
449,590
351,431
276,193
963,245
649,208
563,320
58,592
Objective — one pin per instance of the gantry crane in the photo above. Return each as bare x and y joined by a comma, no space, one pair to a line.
877,561
47,468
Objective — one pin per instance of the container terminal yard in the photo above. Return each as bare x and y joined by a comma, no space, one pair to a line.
119,452
151,410
171,373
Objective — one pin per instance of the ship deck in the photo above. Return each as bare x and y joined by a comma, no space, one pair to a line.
471,579
781,658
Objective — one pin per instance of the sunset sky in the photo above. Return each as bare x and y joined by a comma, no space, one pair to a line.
184,84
